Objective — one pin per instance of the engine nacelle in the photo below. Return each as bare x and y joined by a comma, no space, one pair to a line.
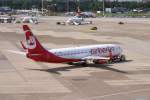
100,61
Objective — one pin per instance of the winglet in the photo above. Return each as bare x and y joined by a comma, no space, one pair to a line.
23,45
26,28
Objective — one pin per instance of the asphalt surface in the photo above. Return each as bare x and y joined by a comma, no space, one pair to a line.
24,79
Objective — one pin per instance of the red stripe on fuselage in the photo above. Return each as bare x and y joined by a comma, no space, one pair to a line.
47,56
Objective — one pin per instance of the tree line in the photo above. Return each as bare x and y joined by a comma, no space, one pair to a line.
70,5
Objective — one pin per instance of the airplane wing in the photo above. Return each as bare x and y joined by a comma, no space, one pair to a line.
75,23
17,52
96,57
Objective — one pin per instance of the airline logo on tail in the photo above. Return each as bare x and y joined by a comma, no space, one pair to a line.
31,42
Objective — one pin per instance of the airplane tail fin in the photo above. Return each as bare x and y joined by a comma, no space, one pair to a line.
33,45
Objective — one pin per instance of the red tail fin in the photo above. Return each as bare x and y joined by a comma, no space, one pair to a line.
33,45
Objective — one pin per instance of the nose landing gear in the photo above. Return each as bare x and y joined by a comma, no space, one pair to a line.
120,58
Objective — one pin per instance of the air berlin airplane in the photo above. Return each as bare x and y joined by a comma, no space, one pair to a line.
98,54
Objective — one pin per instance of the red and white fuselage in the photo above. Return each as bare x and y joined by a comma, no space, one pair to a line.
88,52
94,53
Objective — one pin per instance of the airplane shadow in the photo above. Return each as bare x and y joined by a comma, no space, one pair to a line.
75,66
125,61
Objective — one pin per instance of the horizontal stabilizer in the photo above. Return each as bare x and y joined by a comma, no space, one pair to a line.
26,28
17,52
23,46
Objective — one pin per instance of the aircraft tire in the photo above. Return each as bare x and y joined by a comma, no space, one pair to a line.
122,58
84,64
110,61
70,63
90,22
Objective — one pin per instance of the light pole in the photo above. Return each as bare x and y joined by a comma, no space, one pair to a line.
42,5
103,8
78,2
67,5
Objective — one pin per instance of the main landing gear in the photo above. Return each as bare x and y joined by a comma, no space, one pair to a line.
115,59
120,58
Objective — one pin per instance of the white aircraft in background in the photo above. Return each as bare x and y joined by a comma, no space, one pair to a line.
98,54
77,20
27,19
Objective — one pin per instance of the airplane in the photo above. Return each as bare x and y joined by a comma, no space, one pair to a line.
77,20
7,19
92,54
27,19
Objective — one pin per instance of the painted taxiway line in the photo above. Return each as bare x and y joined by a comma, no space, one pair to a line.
115,94
32,80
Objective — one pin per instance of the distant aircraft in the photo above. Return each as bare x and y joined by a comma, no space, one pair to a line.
6,19
77,20
27,19
98,54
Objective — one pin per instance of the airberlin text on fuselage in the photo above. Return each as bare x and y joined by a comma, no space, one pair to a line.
101,50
